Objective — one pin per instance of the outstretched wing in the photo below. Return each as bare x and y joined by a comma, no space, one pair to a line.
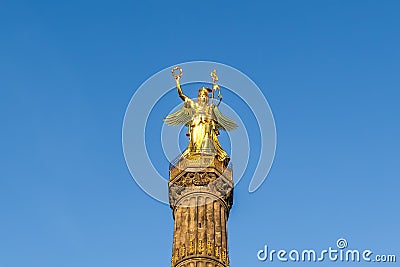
182,116
224,122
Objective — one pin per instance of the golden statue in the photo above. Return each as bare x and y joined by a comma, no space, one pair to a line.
203,119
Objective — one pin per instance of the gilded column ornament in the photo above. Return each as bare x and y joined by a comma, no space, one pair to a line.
203,119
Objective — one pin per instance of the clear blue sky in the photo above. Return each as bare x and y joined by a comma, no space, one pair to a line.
330,72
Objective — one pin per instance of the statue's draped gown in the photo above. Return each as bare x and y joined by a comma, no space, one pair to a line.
203,133
203,122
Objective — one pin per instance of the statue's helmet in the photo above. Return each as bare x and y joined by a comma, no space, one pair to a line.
204,90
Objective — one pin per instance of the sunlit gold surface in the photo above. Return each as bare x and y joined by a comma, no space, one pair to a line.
203,119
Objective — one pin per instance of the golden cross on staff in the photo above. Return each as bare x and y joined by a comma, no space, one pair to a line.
214,78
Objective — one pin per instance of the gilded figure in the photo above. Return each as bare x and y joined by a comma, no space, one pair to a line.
203,119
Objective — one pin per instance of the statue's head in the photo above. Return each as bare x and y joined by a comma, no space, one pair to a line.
202,97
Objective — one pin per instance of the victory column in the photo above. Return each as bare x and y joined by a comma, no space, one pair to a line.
200,181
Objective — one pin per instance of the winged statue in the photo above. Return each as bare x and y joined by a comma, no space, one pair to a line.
203,119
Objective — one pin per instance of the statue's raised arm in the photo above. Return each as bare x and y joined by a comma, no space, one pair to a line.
177,77
183,115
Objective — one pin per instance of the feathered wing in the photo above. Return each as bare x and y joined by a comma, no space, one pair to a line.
182,116
224,122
